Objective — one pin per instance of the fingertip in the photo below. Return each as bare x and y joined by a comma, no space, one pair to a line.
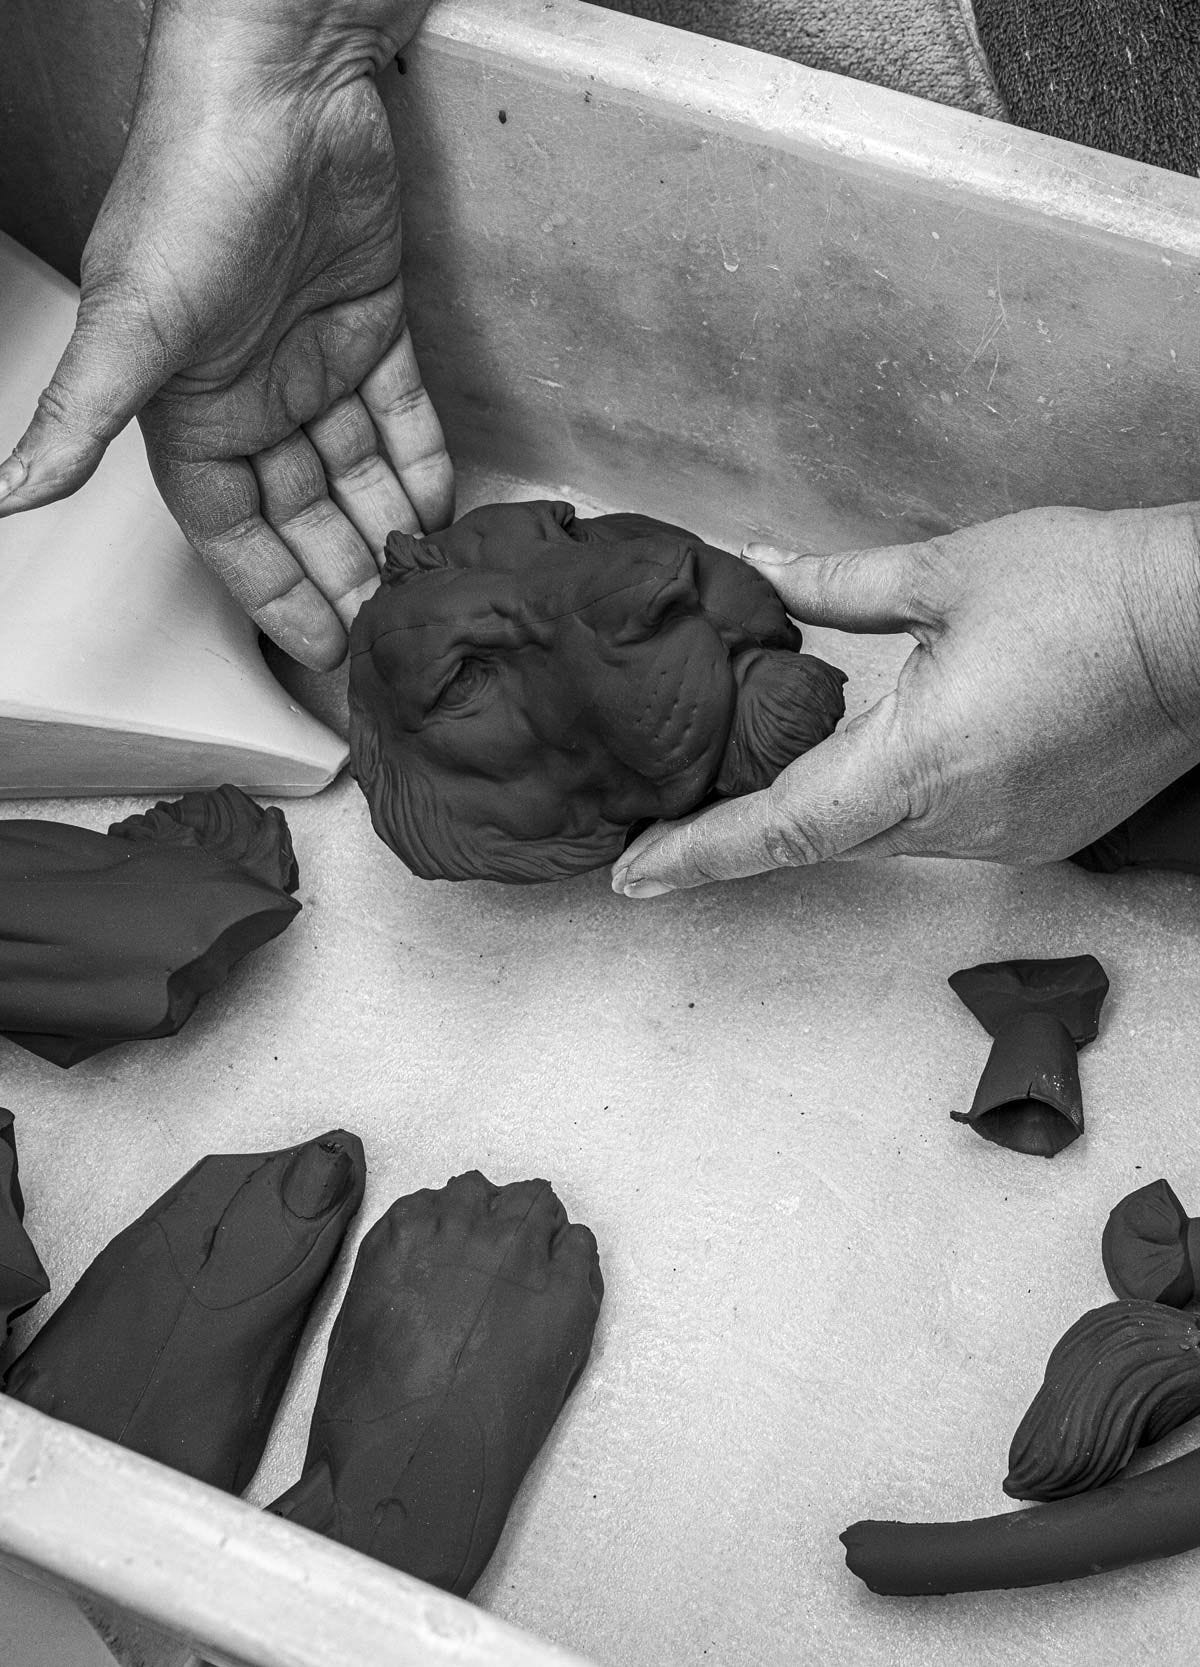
13,473
641,889
447,500
630,866
430,488
769,555
347,606
304,626
51,461
876,590
679,856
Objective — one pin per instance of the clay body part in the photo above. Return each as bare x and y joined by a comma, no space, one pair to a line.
1134,1519
108,938
1122,1377
1151,1247
468,1318
1164,833
23,1279
528,687
1039,1013
178,1340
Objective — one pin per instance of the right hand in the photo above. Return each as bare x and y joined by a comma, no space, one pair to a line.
241,291
1054,688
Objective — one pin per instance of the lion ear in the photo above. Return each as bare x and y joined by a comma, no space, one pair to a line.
404,555
786,704
669,591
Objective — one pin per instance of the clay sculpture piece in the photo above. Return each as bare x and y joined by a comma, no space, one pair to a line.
528,687
1151,1248
1132,1520
178,1340
1164,833
23,1279
1122,1377
108,938
1039,1014
468,1319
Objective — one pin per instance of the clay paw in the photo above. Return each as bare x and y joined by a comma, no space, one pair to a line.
467,1322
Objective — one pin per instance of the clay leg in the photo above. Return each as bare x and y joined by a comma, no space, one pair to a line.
178,1340
468,1318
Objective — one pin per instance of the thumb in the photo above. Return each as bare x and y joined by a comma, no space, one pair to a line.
890,589
845,791
113,363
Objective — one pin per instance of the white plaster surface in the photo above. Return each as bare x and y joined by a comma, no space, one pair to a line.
825,1300
39,1627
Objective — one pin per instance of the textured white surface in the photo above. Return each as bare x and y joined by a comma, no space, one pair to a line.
825,1300
186,1571
125,665
41,1628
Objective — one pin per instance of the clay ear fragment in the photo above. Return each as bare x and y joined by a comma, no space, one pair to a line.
786,703
1149,1249
404,555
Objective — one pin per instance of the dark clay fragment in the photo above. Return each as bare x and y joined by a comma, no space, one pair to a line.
528,686
1151,1248
1164,833
108,938
178,1340
468,1319
1039,1013
1122,1377
1029,1098
1132,1520
23,1279
1071,989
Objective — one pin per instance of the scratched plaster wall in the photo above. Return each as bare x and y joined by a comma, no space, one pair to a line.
688,275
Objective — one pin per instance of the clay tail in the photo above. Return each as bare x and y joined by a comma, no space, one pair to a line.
786,703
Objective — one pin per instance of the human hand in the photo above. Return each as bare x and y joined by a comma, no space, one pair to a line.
1054,688
241,291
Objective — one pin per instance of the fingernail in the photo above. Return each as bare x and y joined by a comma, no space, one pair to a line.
767,555
317,1178
12,475
645,888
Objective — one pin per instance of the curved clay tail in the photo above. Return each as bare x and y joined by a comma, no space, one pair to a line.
786,703
1131,1520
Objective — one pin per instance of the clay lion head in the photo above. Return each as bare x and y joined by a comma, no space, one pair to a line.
527,687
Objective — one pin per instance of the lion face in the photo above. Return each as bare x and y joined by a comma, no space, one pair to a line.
526,687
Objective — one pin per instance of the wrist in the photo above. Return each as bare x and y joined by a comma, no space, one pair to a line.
1165,611
293,44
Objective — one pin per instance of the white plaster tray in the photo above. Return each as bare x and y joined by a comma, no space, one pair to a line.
825,1300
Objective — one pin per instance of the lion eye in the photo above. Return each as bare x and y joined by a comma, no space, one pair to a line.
467,682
